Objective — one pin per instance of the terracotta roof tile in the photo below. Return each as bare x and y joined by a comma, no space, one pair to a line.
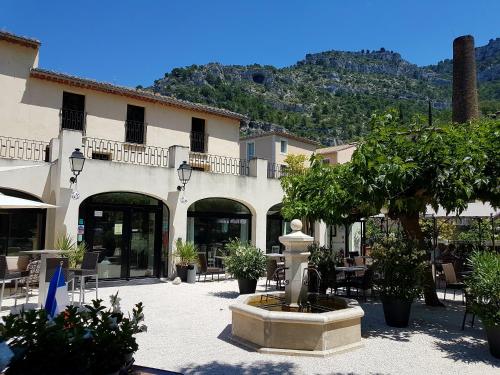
328,150
17,39
284,135
131,92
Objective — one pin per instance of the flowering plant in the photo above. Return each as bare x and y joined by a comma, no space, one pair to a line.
91,340
245,261
400,264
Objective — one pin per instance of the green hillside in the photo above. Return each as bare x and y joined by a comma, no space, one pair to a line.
329,96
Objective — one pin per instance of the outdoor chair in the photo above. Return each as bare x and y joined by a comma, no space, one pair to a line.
363,283
359,261
33,277
274,273
206,270
469,300
451,281
69,277
88,269
7,276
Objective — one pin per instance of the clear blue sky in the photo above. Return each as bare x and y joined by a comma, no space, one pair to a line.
134,42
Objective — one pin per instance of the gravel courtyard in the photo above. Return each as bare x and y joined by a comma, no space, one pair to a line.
189,328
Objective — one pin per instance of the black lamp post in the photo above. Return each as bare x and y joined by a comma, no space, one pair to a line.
184,171
76,161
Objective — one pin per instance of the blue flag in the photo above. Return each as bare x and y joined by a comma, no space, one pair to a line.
57,296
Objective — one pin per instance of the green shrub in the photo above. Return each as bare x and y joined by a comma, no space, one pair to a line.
73,251
186,252
245,261
94,340
484,285
400,264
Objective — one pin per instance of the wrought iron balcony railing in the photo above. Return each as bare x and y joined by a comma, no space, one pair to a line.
135,132
102,149
199,142
24,149
275,170
73,120
218,164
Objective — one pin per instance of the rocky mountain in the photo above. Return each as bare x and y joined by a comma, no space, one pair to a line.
329,96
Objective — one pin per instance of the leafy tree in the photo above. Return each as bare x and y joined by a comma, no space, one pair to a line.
405,168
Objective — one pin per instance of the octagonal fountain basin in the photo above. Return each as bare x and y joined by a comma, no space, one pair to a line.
326,325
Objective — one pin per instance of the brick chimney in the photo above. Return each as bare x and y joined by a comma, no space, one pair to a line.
465,107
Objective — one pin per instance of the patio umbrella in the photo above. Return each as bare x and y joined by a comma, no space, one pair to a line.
8,202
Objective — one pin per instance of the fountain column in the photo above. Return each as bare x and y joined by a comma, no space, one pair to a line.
296,261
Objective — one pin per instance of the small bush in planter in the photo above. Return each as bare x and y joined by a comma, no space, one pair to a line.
93,340
484,287
187,256
400,263
246,263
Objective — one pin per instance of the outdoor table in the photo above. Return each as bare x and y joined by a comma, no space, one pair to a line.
349,271
279,258
42,285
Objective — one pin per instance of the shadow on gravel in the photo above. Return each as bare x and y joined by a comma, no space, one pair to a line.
444,324
267,368
226,294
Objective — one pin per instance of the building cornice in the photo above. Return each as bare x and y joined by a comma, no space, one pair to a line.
20,40
137,94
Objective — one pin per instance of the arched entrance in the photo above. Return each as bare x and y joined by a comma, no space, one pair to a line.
21,229
276,227
212,222
129,230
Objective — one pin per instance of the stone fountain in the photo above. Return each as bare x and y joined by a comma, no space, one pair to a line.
296,322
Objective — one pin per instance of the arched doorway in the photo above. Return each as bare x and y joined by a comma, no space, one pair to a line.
276,227
129,230
21,229
212,222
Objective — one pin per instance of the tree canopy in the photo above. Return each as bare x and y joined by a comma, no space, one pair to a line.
405,167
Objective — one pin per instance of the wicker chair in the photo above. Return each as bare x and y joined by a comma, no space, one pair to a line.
451,281
205,270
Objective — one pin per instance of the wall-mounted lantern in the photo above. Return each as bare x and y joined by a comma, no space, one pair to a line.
184,172
76,161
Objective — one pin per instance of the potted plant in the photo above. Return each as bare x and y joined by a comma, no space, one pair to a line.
483,284
246,263
72,250
187,258
400,263
93,340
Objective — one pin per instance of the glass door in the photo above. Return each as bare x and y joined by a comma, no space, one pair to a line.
142,243
109,239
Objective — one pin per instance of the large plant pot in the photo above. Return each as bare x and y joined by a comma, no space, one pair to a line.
182,272
493,334
191,274
247,286
396,312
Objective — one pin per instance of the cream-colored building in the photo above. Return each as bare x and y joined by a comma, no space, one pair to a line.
126,203
337,154
275,147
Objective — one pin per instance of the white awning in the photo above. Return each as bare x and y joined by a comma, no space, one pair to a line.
474,209
8,202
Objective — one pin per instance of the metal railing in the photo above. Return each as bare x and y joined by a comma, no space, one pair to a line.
72,119
135,131
102,149
24,149
275,170
218,164
199,141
